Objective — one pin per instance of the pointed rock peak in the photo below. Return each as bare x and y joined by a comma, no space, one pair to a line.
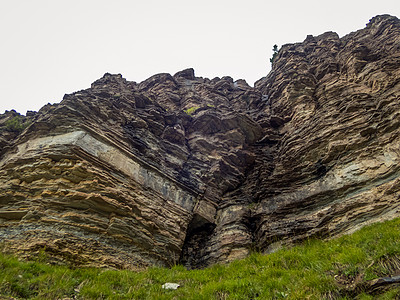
156,79
108,78
186,74
242,82
383,20
329,35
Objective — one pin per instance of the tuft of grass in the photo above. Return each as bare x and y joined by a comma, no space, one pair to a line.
315,269
190,111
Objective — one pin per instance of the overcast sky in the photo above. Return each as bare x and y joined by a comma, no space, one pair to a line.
50,48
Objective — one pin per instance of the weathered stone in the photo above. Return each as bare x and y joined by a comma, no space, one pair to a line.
197,171
170,286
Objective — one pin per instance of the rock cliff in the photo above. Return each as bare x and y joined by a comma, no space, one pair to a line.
198,171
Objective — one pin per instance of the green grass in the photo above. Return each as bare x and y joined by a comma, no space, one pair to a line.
190,111
307,271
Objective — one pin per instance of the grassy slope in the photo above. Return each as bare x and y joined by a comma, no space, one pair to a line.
315,270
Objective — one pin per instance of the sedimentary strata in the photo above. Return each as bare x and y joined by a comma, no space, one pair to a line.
198,171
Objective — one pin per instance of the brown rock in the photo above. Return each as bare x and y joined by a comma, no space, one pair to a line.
186,169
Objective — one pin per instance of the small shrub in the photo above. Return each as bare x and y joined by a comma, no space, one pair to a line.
274,54
15,124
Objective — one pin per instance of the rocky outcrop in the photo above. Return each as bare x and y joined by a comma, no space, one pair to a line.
197,171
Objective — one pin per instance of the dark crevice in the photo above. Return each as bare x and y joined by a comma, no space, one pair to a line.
194,250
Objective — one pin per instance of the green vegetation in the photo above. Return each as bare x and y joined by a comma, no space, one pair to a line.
274,53
314,270
15,124
190,111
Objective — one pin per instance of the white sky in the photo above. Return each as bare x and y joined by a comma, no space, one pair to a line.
50,48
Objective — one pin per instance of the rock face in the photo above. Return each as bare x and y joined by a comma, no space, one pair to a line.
197,171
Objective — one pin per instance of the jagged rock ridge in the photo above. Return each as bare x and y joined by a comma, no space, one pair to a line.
197,171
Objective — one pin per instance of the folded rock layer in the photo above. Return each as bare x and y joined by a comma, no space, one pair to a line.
182,169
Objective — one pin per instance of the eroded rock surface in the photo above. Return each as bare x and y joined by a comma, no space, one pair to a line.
197,171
